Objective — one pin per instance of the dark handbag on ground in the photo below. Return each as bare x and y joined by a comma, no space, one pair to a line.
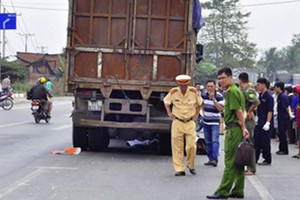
244,154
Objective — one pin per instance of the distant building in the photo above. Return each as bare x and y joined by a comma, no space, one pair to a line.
47,65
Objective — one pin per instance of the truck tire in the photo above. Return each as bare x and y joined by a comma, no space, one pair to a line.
164,143
80,138
98,139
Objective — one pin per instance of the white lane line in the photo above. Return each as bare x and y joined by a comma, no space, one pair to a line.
62,127
21,182
59,168
12,187
13,124
260,188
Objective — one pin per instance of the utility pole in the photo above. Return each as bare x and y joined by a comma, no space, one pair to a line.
3,39
43,48
26,38
0,44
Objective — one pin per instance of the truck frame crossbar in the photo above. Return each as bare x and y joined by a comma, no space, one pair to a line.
135,125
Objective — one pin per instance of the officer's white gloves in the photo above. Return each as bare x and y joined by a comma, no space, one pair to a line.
266,127
292,116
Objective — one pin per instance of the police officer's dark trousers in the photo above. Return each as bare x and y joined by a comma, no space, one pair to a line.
282,134
262,141
250,125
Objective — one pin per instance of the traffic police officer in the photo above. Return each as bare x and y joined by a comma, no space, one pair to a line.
186,104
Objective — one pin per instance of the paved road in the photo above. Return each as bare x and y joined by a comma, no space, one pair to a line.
29,171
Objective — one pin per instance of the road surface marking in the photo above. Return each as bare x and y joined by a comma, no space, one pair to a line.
12,187
13,124
62,127
260,188
21,182
59,168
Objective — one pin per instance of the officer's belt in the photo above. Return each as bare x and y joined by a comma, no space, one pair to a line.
232,125
184,121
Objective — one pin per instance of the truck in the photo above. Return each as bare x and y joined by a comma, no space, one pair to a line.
122,57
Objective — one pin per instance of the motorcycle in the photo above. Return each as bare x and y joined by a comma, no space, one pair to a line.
6,100
39,112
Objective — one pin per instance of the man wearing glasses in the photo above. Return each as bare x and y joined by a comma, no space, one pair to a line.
233,180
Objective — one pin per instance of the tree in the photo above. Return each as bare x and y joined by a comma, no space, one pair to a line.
205,71
13,69
287,59
224,36
293,55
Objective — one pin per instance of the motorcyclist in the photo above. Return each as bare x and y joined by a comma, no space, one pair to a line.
40,92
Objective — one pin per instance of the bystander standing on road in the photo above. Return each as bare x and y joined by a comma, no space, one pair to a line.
233,180
262,133
199,88
283,110
251,102
291,124
186,105
274,124
213,104
296,106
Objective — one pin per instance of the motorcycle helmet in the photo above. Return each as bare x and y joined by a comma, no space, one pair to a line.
43,80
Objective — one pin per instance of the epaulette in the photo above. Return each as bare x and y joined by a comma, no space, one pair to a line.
173,90
192,89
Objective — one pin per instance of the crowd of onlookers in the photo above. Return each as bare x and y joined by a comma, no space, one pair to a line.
280,101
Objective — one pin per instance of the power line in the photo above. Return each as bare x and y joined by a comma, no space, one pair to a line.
271,3
26,30
40,8
42,3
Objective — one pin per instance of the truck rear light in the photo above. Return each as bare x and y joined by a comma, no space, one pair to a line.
85,93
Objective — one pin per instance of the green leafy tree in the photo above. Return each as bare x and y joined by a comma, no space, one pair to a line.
293,55
287,59
224,36
13,69
205,71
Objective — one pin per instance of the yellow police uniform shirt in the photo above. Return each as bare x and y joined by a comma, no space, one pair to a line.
184,106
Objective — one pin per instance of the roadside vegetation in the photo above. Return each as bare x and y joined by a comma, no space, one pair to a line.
226,43
20,81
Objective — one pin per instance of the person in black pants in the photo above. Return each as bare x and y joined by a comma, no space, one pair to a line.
283,110
262,133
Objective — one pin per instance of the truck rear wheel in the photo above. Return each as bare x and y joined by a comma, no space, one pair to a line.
164,143
98,139
80,138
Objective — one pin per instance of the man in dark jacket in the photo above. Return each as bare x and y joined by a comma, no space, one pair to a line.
40,92
283,110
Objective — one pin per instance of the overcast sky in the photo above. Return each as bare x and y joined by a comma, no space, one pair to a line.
44,24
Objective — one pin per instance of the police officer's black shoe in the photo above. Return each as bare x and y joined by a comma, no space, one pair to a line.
281,153
264,163
192,171
180,174
214,163
208,163
216,196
